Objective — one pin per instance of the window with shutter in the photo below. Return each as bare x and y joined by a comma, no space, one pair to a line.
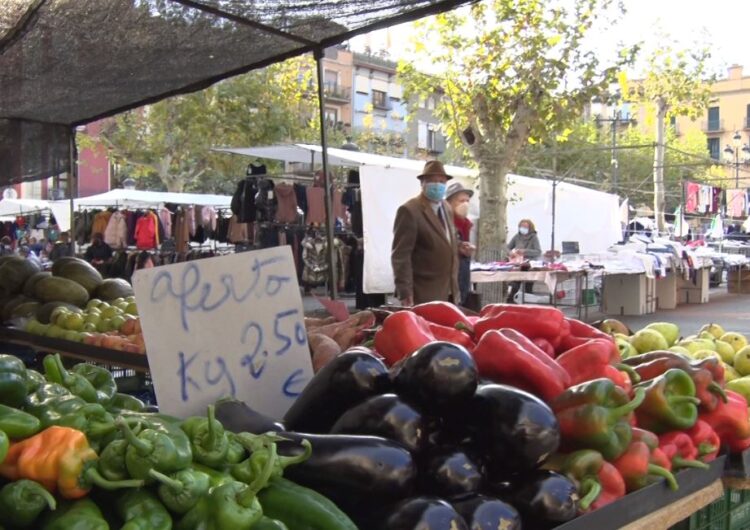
422,135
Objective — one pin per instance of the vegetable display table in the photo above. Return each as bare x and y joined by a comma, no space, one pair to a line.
672,514
75,350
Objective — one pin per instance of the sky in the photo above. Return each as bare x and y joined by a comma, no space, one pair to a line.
722,24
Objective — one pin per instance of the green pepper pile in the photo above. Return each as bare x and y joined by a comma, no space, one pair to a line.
156,472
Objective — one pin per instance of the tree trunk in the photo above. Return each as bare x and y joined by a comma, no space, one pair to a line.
659,201
493,205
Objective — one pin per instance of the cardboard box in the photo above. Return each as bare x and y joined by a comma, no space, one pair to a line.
666,291
694,292
628,294
738,281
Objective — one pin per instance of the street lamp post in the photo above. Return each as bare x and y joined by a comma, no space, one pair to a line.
733,151
617,118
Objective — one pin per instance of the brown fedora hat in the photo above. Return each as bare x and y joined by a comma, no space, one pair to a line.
434,167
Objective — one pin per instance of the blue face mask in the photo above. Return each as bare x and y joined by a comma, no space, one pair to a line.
435,191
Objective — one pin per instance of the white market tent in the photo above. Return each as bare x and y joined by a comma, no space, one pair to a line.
122,198
587,216
16,207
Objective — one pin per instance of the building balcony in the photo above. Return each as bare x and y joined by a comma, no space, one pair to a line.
336,92
712,126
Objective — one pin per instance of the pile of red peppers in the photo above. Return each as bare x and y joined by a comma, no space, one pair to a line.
624,424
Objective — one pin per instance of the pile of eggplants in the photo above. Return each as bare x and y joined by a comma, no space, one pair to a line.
422,445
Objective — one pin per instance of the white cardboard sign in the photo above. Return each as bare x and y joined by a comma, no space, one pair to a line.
225,326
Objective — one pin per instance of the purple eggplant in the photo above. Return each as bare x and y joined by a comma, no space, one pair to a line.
438,377
486,513
513,429
545,499
344,382
424,513
452,475
390,417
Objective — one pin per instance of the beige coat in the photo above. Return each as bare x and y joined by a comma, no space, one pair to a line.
424,260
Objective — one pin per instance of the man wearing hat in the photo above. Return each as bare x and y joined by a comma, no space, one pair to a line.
458,197
424,255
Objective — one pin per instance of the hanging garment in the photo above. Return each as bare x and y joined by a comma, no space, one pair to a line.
237,232
316,210
339,211
165,216
736,203
301,192
265,201
208,219
181,231
715,199
314,250
145,233
101,220
691,197
286,209
116,233
243,200
705,198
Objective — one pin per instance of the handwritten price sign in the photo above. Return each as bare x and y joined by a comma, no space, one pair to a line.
226,326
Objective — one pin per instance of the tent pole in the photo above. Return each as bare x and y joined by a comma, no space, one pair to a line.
554,212
326,178
72,182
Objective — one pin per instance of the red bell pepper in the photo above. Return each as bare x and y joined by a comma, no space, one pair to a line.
443,313
533,349
730,421
503,360
545,346
680,450
705,440
613,486
453,335
638,471
583,330
402,334
532,321
592,361
657,457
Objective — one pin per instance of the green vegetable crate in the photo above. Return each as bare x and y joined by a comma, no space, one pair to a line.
730,512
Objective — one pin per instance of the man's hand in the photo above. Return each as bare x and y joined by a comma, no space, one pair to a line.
466,249
408,301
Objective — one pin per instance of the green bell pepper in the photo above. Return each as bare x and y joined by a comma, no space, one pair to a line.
215,477
182,490
17,423
76,383
267,523
208,441
13,381
670,403
4,446
231,505
236,452
33,380
80,515
100,378
111,463
595,415
159,446
142,510
122,402
301,508
247,470
22,502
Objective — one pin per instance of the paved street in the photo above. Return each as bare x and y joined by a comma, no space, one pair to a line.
731,311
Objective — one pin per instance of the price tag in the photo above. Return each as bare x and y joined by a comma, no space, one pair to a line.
225,326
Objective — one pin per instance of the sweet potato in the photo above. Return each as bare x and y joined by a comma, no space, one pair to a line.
324,349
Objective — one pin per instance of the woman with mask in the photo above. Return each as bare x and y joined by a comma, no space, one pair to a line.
523,246
458,197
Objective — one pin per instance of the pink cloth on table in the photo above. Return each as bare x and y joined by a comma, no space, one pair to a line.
736,203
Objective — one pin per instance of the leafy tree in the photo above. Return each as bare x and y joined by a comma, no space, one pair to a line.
585,157
512,72
170,142
676,82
